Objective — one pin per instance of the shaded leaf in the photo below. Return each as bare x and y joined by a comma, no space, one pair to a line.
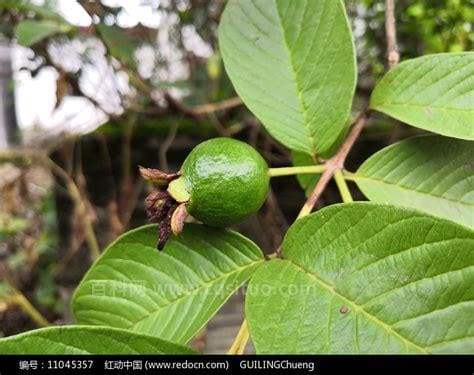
285,64
366,278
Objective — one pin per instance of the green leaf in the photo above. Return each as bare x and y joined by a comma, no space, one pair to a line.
172,293
87,340
118,43
29,32
433,92
293,64
430,173
366,278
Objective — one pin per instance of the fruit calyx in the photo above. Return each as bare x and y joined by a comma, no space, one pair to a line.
166,203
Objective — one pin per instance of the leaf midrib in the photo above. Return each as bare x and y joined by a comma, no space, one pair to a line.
299,92
424,106
411,190
358,308
210,283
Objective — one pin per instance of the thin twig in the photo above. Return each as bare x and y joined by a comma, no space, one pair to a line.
178,107
115,223
199,112
19,299
133,198
165,146
393,56
76,196
221,129
219,106
127,148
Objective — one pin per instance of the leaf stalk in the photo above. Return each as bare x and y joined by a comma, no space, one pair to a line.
342,186
240,342
289,171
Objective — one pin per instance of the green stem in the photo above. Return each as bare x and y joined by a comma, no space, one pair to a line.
342,186
240,342
19,299
289,171
349,175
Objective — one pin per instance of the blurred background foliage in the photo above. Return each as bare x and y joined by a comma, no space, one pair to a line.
152,86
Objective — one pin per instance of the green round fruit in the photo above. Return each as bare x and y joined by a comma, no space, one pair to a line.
227,180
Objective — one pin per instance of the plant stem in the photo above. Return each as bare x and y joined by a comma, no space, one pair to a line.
288,171
18,298
393,57
349,175
213,107
342,186
240,342
80,206
335,163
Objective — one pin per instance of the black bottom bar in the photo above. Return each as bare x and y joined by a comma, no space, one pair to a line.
221,364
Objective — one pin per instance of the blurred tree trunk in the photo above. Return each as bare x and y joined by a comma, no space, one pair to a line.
8,126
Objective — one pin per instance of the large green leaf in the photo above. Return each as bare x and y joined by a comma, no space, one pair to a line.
87,340
293,64
118,43
366,278
433,92
429,173
172,293
29,32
